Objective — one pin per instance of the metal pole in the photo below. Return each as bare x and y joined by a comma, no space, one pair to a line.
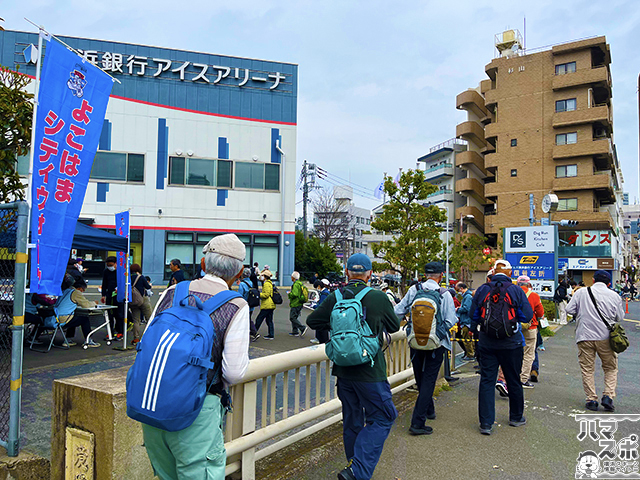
532,218
127,278
305,193
17,329
282,212
33,121
447,248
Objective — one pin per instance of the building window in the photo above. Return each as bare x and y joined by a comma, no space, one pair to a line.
514,172
565,68
118,166
567,204
514,142
200,171
566,171
566,138
566,105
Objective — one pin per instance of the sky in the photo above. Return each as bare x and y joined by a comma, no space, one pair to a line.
377,80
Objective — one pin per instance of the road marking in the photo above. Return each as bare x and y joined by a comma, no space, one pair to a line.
630,320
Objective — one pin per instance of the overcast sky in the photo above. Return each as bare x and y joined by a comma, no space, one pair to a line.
377,80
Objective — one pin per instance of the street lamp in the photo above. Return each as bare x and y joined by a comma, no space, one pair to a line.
462,217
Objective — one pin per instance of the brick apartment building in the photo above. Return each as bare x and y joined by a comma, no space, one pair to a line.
543,123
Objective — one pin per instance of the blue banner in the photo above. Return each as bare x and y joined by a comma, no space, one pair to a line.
537,266
122,267
73,96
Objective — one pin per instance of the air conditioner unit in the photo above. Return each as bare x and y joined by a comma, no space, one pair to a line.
600,132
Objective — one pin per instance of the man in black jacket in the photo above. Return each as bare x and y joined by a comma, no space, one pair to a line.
494,352
367,407
109,285
561,298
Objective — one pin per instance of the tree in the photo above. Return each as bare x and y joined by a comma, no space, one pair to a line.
16,110
332,219
314,257
466,256
415,235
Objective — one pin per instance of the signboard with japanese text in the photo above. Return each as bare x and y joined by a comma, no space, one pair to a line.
538,267
122,265
73,97
529,239
583,264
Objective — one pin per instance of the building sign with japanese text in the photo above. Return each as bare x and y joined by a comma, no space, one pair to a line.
529,239
538,267
73,97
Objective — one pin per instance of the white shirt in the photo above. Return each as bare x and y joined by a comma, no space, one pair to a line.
589,325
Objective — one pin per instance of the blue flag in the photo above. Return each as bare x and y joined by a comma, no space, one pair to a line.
73,97
122,272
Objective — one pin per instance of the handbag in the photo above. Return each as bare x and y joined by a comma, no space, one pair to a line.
544,323
136,297
617,336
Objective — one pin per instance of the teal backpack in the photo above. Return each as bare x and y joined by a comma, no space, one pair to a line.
352,341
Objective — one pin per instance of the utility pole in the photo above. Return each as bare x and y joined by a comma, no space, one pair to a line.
532,211
305,198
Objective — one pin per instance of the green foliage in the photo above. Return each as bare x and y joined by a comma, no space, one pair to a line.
378,267
16,110
549,309
312,256
547,332
465,256
415,235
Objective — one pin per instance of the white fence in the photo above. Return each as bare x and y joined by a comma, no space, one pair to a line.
276,397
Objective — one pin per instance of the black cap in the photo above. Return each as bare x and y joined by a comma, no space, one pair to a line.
434,267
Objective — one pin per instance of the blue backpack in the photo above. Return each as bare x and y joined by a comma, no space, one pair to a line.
167,384
352,341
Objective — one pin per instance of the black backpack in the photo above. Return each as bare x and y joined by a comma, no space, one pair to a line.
253,296
276,297
498,312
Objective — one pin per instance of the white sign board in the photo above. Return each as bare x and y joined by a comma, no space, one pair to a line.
529,239
544,288
583,263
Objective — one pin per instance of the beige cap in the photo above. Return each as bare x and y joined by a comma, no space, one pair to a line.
228,245
266,273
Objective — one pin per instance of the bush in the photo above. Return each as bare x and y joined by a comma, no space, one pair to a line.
547,332
549,309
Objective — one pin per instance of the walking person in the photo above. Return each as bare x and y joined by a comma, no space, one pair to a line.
297,298
244,286
267,305
322,336
561,297
592,337
427,363
368,411
499,307
138,312
108,289
529,330
464,315
177,274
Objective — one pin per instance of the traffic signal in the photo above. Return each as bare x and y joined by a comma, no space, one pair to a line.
568,223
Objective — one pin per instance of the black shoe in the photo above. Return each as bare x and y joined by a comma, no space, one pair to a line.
486,429
294,334
269,337
518,423
527,385
592,405
424,430
346,474
432,416
534,376
607,403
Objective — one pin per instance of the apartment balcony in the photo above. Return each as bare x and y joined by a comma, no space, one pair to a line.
491,99
599,113
485,86
584,76
470,159
439,171
472,132
478,216
491,133
445,195
473,188
473,101
598,181
490,160
585,148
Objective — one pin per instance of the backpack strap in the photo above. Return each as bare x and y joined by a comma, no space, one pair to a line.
362,293
180,292
338,295
218,300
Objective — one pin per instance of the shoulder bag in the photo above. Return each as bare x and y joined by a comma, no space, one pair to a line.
617,336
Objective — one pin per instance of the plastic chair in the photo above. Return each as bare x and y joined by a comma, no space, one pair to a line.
64,307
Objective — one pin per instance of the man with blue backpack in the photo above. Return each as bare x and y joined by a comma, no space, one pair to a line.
498,308
357,316
194,347
432,315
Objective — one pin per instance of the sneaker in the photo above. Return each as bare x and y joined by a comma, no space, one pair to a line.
269,337
431,416
591,405
502,388
541,348
117,337
68,344
304,331
607,403
518,423
292,334
423,430
346,474
92,344
135,341
486,429
255,337
534,376
468,359
315,341
528,384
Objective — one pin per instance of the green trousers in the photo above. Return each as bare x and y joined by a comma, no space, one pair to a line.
194,453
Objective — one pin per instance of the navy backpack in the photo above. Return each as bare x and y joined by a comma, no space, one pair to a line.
167,383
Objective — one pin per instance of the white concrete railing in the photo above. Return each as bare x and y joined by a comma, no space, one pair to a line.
272,400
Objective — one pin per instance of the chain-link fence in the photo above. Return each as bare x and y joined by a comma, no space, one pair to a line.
13,219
